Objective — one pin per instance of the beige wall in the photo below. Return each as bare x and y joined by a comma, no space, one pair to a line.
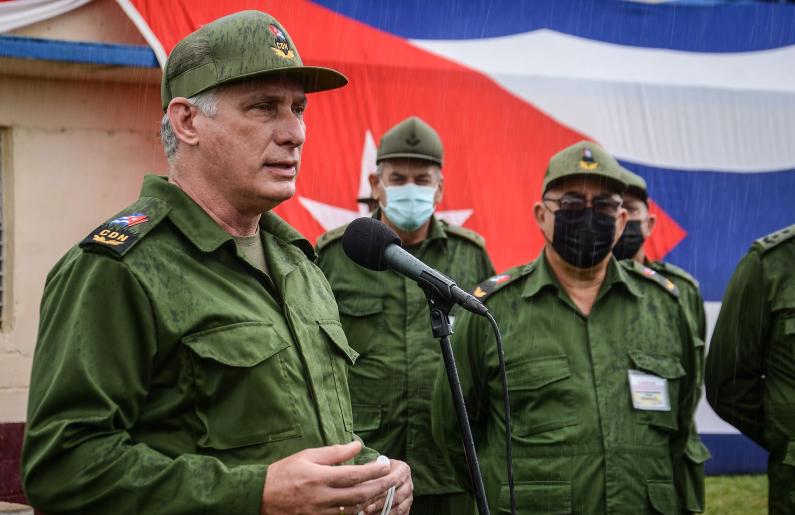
100,21
74,153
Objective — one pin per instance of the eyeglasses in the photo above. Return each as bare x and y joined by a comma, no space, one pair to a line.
604,204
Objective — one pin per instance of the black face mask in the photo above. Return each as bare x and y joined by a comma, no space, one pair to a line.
583,237
630,242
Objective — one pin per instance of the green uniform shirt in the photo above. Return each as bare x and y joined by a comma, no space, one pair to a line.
696,452
169,372
579,446
689,295
386,318
750,374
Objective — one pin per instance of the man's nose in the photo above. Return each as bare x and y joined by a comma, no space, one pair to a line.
290,131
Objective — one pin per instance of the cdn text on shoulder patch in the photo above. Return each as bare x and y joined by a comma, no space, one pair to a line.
115,238
116,234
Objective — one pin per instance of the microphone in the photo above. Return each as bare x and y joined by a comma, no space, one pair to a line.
371,244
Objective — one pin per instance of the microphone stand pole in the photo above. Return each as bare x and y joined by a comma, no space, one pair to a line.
440,325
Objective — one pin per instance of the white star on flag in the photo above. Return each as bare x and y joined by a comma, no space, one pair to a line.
331,217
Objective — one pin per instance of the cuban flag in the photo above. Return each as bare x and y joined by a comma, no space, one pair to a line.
699,100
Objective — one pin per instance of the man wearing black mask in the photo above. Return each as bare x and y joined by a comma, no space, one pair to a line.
599,360
640,224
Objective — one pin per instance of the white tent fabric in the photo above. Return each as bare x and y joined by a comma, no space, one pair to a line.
16,14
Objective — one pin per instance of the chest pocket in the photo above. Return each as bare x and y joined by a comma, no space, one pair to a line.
360,305
669,368
788,327
542,397
362,317
242,395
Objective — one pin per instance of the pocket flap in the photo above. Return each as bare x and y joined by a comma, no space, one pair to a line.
538,497
360,305
789,325
333,330
696,451
658,364
662,496
366,417
789,456
238,345
537,373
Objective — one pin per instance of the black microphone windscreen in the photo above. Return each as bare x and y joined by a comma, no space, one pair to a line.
365,240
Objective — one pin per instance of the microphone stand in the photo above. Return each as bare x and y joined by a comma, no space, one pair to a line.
440,308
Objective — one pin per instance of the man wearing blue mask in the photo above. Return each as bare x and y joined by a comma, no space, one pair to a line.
386,316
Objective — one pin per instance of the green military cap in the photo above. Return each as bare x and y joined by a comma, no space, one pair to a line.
242,45
584,159
411,138
636,185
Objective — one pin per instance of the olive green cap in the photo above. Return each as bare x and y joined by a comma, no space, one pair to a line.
243,45
584,159
411,138
636,185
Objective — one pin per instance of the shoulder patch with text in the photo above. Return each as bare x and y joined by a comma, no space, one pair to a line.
113,236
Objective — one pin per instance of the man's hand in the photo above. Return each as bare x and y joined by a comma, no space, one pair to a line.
313,482
404,491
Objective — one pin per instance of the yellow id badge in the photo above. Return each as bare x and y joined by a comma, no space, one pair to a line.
649,392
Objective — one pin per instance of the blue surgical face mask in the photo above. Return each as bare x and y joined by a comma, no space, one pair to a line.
409,206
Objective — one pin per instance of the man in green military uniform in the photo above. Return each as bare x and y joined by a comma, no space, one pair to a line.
386,316
599,361
750,374
190,357
640,223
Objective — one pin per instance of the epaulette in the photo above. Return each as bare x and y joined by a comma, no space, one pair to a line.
463,232
119,234
671,269
495,283
327,237
650,275
772,240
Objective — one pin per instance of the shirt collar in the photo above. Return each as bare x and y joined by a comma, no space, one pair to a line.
203,231
616,275
543,276
540,278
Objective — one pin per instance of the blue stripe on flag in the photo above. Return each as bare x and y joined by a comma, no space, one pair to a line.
733,454
723,213
694,28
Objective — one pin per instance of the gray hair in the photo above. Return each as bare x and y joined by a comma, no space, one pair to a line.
206,102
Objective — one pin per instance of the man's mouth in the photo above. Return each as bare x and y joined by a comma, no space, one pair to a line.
286,168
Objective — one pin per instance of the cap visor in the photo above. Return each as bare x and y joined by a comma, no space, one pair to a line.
313,78
409,155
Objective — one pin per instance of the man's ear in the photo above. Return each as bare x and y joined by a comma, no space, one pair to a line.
545,220
539,212
182,115
652,222
621,223
439,191
376,191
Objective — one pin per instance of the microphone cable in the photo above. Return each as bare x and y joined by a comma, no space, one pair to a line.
507,409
